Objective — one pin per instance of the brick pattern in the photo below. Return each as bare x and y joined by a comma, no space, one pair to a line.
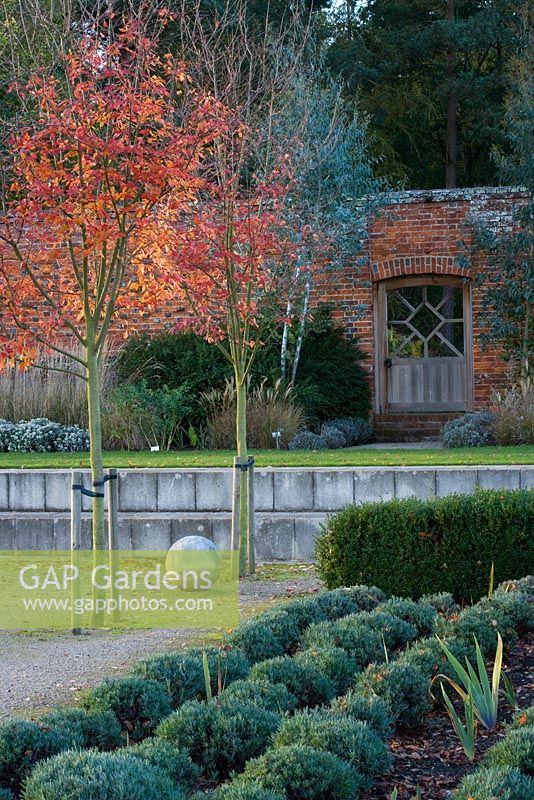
417,265
418,233
410,427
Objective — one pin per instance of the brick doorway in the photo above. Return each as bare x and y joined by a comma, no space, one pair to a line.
424,345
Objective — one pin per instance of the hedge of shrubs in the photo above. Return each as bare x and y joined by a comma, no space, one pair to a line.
413,547
308,724
41,436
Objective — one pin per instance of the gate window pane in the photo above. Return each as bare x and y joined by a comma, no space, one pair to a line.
448,342
403,342
425,322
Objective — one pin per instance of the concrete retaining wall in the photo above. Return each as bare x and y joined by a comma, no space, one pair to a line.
157,507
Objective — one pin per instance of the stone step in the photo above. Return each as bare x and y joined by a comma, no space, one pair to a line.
410,427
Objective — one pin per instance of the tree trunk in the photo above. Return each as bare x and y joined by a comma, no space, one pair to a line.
95,434
287,323
302,327
285,340
452,109
525,371
246,545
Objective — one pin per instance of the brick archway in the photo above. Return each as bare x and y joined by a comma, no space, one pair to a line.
418,265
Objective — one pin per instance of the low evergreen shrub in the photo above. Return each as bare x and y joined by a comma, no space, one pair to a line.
219,738
182,675
336,603
256,643
333,436
139,705
366,598
168,759
427,656
338,665
416,547
41,435
189,729
362,642
310,687
355,429
333,604
372,710
305,611
523,718
243,791
282,626
5,794
393,631
97,729
515,750
90,775
307,440
22,745
226,665
352,740
302,773
267,635
470,430
522,586
421,615
495,783
404,689
271,696
512,610
483,621
443,602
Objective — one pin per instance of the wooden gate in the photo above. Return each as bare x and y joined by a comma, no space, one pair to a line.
424,344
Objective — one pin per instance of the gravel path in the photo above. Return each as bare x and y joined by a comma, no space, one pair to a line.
39,670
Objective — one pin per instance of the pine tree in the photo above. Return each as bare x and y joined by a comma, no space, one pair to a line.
425,70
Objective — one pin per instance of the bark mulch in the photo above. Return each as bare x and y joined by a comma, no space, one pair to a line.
432,760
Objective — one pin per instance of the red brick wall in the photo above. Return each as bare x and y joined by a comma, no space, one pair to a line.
417,233
413,233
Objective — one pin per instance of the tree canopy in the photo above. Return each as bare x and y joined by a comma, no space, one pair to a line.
394,56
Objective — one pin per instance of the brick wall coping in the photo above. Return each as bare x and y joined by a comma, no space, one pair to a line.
452,195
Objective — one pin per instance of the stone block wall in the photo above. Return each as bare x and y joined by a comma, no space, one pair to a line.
157,507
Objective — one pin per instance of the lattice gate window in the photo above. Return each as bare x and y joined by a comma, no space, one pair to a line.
425,322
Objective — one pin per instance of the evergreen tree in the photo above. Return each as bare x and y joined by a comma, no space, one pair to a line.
412,68
508,306
333,188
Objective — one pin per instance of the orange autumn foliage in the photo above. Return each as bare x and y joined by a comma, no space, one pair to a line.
117,142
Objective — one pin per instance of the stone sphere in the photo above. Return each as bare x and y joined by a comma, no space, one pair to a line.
194,553
193,543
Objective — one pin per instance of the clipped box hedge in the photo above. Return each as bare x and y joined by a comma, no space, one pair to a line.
416,547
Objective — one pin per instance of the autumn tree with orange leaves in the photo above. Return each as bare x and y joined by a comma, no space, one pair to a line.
232,265
113,143
233,262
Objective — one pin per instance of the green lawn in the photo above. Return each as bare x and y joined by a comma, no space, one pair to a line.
349,457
